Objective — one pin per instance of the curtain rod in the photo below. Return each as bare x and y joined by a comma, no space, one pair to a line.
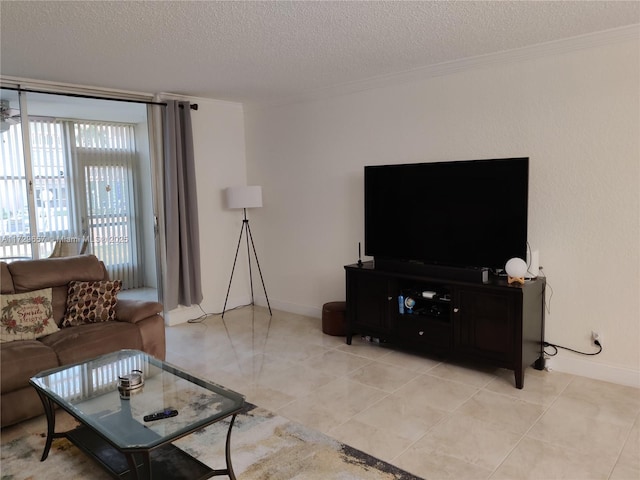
193,106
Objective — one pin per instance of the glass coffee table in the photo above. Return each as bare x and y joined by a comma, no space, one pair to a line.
112,426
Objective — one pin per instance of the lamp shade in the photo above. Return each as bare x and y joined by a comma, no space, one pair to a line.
516,267
244,197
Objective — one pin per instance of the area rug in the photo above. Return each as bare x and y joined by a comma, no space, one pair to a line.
265,446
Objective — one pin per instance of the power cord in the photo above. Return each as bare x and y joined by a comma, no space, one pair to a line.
547,303
547,306
205,315
556,347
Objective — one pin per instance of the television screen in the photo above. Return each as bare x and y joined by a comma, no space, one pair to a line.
462,213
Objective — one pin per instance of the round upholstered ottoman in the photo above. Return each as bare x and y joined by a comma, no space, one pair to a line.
333,318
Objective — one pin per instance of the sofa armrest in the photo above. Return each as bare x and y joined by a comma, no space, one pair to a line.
132,311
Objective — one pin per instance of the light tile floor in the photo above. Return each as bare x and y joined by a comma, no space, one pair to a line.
435,419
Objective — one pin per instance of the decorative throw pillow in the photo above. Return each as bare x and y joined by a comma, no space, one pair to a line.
91,302
26,316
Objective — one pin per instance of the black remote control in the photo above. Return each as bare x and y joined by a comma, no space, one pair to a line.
160,415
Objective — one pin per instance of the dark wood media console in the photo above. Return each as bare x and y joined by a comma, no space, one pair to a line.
489,322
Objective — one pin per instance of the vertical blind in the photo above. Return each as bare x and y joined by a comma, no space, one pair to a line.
14,223
49,184
81,180
45,178
106,154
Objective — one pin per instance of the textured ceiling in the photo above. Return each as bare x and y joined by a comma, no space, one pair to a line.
262,52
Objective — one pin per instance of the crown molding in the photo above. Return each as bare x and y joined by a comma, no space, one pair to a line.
556,47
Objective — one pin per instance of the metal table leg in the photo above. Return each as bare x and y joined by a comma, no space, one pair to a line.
227,453
50,413
133,468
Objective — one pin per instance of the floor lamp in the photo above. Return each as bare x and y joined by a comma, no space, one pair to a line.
245,197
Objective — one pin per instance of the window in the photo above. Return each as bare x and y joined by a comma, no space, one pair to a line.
76,177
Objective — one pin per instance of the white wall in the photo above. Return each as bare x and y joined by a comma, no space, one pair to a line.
575,114
219,149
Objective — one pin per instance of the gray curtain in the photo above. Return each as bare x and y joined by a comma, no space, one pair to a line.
183,283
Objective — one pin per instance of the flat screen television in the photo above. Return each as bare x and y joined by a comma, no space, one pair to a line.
470,214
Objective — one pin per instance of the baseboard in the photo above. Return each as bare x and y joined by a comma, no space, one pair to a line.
597,371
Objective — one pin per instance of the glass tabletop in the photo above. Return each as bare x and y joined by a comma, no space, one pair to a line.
89,391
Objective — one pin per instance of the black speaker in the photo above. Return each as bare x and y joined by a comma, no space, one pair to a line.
475,275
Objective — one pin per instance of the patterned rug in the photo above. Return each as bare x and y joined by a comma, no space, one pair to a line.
264,446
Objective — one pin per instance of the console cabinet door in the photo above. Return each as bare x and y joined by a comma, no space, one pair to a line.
485,324
370,300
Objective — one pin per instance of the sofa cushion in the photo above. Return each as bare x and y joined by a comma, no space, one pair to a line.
90,302
6,282
30,275
22,360
76,344
26,316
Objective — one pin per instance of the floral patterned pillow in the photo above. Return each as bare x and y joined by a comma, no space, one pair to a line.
26,316
91,302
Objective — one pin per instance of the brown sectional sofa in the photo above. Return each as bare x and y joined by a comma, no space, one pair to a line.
139,325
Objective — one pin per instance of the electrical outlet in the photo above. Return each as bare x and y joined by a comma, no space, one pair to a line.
595,337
